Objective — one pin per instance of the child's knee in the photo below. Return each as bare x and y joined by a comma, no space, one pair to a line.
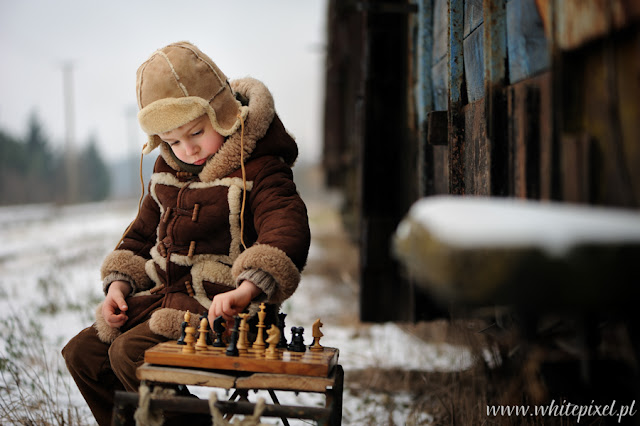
82,351
121,353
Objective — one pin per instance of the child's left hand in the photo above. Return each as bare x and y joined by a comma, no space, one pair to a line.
231,303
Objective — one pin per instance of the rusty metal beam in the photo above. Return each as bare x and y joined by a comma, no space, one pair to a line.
456,84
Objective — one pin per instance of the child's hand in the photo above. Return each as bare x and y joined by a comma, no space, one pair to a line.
114,306
233,302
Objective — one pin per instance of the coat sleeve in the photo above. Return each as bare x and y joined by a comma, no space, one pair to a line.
127,262
282,228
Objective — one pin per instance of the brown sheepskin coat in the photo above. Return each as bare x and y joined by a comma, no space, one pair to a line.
184,247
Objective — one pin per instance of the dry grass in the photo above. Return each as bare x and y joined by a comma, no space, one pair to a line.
34,387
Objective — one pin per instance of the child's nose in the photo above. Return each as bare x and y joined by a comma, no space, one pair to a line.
192,149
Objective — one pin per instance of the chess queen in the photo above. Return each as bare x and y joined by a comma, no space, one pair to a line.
221,229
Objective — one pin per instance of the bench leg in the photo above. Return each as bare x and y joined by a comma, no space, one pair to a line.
334,398
274,398
123,410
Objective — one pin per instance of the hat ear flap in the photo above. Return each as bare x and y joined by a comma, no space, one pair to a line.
152,143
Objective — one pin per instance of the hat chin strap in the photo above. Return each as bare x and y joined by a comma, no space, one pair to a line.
141,196
244,180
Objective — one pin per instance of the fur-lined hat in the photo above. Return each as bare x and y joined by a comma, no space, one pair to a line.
178,84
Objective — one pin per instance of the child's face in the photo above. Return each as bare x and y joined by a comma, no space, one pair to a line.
194,142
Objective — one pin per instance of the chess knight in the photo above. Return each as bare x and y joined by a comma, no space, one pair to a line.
187,243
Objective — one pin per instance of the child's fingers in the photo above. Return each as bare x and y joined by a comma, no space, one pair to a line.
116,320
119,301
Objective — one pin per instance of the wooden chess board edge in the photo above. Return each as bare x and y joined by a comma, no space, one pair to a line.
318,364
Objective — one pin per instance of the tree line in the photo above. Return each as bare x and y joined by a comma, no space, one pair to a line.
31,171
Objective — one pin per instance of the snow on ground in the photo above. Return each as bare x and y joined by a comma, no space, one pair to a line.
49,271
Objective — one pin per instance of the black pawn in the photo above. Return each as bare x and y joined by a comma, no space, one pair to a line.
183,334
283,340
218,328
232,349
297,340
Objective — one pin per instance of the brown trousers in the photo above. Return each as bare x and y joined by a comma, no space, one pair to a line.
99,369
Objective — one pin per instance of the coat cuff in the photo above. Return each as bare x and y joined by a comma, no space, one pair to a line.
263,280
273,262
126,264
117,276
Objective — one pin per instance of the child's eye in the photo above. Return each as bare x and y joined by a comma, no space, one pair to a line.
173,143
199,132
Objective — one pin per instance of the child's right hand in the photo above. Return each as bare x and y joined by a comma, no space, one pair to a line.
114,306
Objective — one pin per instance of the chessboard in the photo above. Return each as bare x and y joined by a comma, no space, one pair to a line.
308,363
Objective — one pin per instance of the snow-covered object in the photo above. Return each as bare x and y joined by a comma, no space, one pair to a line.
504,250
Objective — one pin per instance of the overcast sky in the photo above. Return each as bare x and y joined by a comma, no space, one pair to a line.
280,42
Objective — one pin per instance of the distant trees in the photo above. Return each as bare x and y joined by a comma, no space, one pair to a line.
31,172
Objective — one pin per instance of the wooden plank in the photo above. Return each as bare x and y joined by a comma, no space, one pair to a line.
440,29
440,81
231,380
301,363
581,21
576,170
477,178
474,64
472,16
547,147
524,140
441,169
285,382
185,376
527,46
495,53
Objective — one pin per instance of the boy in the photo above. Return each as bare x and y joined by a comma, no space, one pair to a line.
221,229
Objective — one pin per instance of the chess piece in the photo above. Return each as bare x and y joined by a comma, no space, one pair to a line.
259,344
297,340
232,349
283,339
201,345
183,326
243,341
208,333
273,340
189,340
317,334
219,326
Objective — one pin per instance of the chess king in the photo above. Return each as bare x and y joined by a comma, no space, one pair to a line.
221,229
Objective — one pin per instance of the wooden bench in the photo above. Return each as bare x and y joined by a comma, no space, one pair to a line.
239,377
